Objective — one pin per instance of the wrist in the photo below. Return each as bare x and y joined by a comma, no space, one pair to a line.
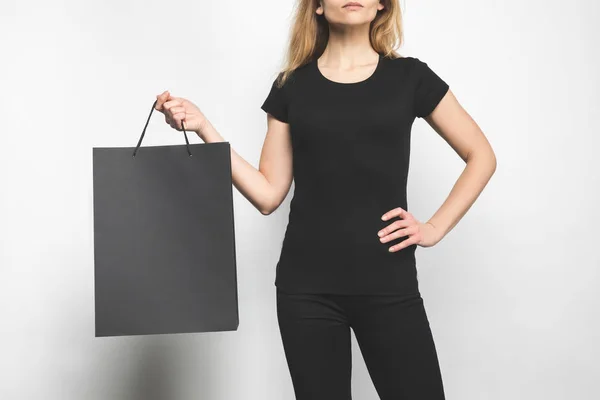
208,133
440,233
202,129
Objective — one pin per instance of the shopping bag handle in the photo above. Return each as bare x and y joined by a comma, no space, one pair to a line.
187,142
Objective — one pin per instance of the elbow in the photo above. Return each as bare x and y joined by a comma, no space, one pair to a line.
270,202
485,157
493,162
267,209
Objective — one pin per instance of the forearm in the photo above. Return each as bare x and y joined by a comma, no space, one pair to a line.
250,182
469,185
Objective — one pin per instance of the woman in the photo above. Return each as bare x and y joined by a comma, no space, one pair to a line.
339,120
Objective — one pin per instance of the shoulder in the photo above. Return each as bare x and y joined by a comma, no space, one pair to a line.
296,77
406,64
293,74
413,68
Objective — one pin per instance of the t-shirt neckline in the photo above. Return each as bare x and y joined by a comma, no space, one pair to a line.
364,81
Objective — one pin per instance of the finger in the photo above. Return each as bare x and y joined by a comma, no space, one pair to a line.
410,230
403,244
177,118
171,103
399,223
160,99
177,110
393,227
174,98
396,212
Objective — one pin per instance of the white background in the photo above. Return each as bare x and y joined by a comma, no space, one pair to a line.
511,292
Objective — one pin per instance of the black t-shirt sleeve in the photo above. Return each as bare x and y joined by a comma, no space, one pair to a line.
430,89
276,102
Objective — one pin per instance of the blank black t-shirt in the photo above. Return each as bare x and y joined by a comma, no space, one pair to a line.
351,147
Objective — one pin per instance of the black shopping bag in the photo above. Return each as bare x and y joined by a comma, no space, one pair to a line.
164,245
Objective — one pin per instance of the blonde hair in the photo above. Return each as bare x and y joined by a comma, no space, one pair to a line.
309,34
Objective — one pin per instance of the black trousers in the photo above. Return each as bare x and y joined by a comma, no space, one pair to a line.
392,332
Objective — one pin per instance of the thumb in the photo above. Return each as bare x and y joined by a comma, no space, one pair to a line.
161,98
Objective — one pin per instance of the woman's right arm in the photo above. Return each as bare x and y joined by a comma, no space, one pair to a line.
267,186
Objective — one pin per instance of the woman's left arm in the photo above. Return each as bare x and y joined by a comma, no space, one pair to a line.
450,120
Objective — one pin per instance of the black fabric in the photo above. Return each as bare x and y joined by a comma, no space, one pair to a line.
351,148
393,334
276,103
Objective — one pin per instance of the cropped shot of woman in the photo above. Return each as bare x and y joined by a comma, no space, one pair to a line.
339,117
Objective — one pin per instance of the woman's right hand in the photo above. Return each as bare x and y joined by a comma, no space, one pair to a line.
177,109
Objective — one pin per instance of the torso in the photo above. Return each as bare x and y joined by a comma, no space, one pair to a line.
351,148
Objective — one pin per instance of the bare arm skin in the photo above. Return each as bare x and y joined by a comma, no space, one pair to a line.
450,120
461,132
267,187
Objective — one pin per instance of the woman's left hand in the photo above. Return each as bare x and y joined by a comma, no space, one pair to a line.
422,234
